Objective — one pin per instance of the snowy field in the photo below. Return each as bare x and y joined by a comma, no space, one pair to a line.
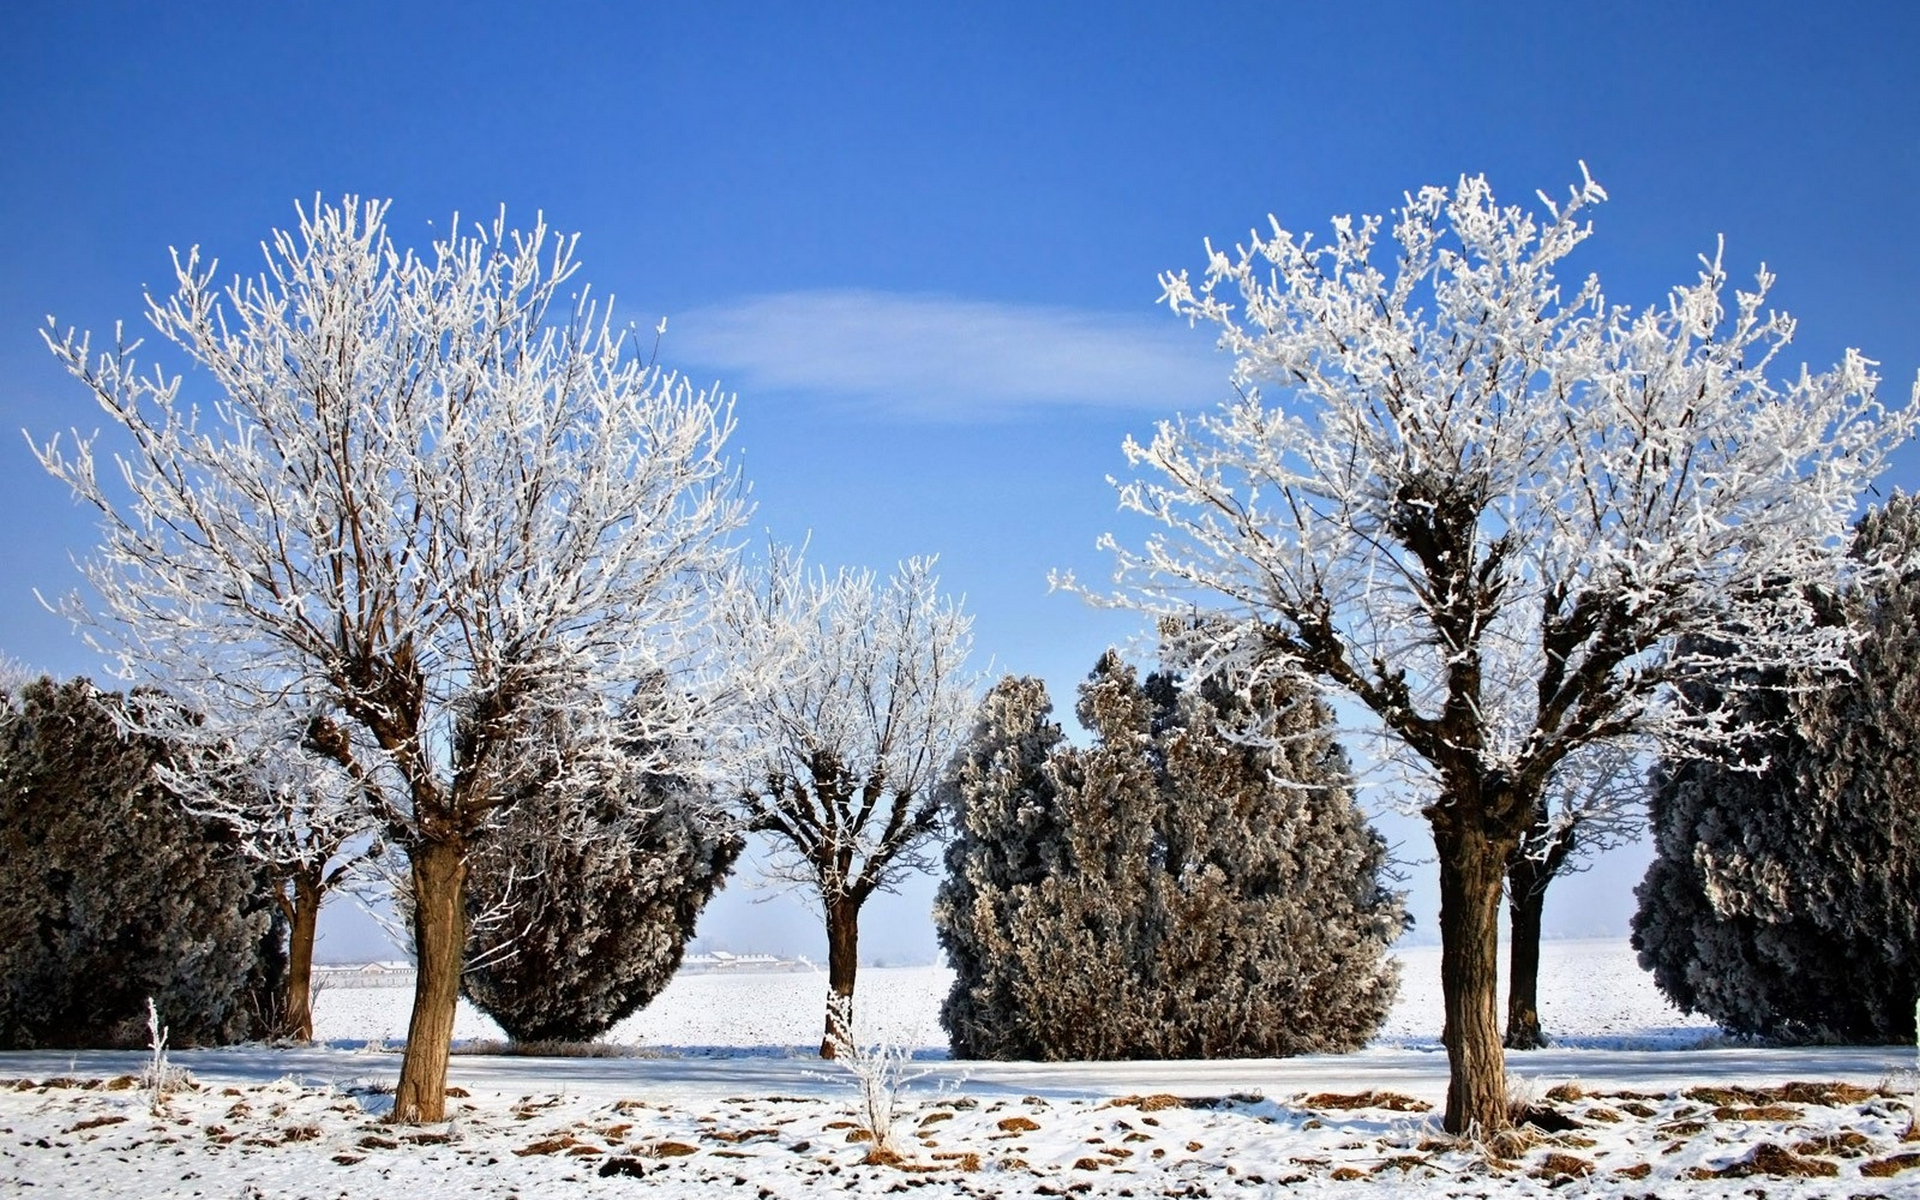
718,1095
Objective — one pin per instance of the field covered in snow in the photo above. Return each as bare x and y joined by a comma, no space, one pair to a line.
717,1094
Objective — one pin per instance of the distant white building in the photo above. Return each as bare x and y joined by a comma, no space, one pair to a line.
719,960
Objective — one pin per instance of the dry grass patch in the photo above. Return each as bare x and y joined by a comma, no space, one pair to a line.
552,1145
1769,1159
1886,1168
1764,1112
1562,1166
1344,1101
1833,1094
96,1123
1845,1144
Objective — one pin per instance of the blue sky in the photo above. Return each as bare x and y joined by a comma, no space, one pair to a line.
921,243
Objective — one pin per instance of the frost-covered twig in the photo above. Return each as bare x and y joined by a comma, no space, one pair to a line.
160,1078
880,1074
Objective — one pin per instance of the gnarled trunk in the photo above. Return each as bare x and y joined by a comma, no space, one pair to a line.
304,921
1472,867
439,938
843,959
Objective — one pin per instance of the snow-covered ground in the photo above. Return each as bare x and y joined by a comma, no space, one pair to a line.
719,1096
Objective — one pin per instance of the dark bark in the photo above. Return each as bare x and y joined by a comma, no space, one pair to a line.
303,919
1526,902
1538,862
843,960
1473,865
439,935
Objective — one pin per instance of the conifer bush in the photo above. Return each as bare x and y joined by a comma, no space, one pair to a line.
116,895
1781,899
1196,884
581,909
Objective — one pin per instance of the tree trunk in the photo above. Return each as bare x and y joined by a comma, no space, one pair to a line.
305,921
1535,864
439,938
843,959
1526,902
1472,868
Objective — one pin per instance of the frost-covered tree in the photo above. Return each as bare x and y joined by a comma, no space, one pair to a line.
430,499
854,693
1488,511
114,891
581,907
1780,901
1196,884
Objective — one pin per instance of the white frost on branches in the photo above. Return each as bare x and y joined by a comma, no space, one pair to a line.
1476,503
418,480
432,505
854,693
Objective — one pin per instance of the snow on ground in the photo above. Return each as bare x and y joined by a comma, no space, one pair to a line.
720,1097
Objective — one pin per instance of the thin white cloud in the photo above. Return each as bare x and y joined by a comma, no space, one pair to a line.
942,359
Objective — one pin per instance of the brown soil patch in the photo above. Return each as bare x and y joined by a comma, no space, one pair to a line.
1018,1124
1541,1117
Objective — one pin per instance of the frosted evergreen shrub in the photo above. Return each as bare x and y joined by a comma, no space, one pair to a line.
1781,901
584,908
1196,884
114,893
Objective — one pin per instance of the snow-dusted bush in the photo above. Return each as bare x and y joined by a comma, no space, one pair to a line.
582,909
114,892
1197,884
1781,898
